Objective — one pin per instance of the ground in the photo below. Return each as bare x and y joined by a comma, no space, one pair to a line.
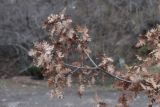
24,92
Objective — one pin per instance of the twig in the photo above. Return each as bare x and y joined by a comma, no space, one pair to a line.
91,59
72,71
93,68
26,51
115,76
79,66
26,68
21,47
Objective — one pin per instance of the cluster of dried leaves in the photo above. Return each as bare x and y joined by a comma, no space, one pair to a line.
66,39
141,79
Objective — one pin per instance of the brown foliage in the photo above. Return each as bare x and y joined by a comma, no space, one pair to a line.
66,39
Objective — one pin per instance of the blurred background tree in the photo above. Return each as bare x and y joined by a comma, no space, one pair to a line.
114,26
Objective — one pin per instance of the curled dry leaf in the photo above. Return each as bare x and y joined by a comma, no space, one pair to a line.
78,64
56,93
141,42
81,90
122,101
82,29
99,102
50,82
93,80
69,81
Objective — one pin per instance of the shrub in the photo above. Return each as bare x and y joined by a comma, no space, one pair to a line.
36,72
67,38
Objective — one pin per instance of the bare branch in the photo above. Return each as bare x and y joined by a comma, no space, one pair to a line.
72,71
80,66
91,60
115,76
26,68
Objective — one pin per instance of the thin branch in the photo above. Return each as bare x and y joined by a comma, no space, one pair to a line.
79,66
25,50
26,68
72,71
115,76
91,59
21,47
